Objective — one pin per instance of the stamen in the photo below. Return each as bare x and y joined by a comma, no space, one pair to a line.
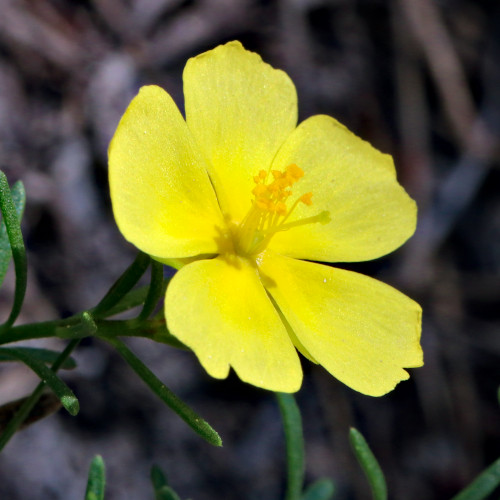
269,211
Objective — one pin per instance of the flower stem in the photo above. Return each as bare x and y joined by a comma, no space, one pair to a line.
37,330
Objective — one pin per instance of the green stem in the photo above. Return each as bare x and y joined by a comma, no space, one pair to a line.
38,330
77,327
119,298
28,405
154,329
292,425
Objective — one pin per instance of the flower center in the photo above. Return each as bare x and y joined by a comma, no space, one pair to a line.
269,212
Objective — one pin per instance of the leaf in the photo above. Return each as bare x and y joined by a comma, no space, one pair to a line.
47,405
135,298
160,484
123,285
322,489
158,477
85,327
96,482
30,402
43,355
483,485
156,290
292,425
369,464
166,493
13,227
132,299
60,389
163,336
19,200
200,426
153,329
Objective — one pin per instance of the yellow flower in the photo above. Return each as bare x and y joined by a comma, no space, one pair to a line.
241,200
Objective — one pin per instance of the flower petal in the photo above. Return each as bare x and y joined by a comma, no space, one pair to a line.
240,111
220,310
368,213
362,331
162,198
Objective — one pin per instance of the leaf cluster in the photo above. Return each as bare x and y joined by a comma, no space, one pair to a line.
96,322
52,392
322,489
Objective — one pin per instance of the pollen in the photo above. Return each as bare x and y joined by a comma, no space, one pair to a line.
272,196
306,199
270,210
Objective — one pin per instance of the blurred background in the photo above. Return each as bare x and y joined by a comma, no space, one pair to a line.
419,79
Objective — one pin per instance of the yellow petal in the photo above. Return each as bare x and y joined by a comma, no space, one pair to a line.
220,310
240,111
162,198
368,213
362,331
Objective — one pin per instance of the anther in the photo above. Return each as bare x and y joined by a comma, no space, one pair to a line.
269,213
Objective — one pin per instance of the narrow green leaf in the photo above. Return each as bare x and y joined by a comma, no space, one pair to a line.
13,227
483,485
369,464
47,405
292,425
158,477
40,330
61,390
156,290
19,199
43,355
166,493
85,327
163,336
133,299
322,489
160,485
29,403
96,482
153,329
200,426
123,285
16,423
